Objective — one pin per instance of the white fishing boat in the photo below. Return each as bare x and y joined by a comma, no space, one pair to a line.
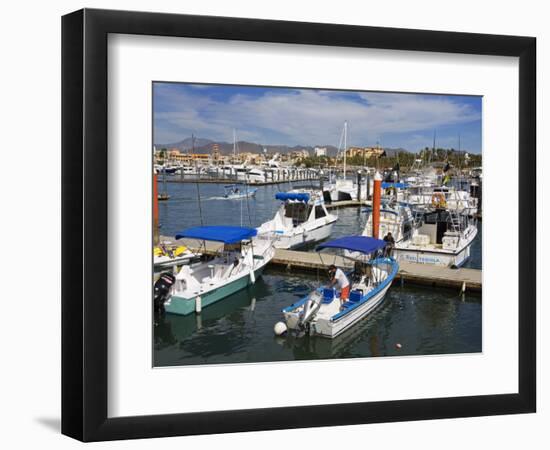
237,192
239,262
447,197
301,219
442,237
322,312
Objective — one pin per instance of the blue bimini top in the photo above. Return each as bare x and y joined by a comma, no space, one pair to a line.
299,196
363,244
219,233
386,185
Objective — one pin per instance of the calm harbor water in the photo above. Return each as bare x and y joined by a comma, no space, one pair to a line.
240,328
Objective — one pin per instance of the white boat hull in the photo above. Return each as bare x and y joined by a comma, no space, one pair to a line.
300,238
437,257
331,329
333,318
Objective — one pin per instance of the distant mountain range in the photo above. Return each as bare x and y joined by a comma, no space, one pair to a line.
203,145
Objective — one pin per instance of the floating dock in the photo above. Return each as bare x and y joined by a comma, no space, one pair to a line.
419,274
345,204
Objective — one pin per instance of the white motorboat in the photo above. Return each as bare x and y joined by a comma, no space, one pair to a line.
241,259
238,192
429,196
323,313
301,219
437,236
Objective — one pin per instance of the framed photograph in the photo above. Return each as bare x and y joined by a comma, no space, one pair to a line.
273,225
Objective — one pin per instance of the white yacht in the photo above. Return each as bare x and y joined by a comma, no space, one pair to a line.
301,219
438,236
446,197
256,175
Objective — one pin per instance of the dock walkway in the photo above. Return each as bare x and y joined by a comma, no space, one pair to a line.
422,274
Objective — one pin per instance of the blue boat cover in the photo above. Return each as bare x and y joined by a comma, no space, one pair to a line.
386,185
222,233
299,196
363,244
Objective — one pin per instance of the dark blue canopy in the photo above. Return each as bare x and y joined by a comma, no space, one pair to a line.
299,196
386,185
363,244
222,233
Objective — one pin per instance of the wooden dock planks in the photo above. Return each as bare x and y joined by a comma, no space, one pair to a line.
424,274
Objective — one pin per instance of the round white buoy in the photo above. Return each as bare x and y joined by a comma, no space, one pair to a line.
398,346
279,328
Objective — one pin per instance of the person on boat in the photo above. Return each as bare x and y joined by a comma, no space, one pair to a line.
390,243
338,277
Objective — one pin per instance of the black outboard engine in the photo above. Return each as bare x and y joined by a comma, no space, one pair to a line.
162,290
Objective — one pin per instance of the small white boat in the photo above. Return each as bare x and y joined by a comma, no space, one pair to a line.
322,313
301,219
239,263
236,192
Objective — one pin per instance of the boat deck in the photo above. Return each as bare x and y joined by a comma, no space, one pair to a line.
423,274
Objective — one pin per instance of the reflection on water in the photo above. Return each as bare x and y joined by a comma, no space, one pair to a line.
240,327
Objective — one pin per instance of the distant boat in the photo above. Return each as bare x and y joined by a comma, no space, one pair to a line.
322,313
239,263
236,192
301,219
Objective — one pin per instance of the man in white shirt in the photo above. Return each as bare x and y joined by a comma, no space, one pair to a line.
339,278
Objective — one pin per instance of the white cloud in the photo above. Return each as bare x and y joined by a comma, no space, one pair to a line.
304,116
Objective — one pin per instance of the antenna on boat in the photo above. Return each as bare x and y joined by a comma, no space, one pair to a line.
433,149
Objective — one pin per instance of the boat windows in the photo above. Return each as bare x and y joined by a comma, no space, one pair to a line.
297,211
319,212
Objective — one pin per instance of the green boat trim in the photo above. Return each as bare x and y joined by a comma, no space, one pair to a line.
185,306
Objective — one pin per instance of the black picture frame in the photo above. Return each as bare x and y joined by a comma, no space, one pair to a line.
84,224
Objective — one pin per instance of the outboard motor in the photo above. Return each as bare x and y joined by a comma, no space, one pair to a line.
162,289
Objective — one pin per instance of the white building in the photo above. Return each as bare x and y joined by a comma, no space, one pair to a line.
320,151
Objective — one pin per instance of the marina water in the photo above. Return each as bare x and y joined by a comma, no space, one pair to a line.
239,329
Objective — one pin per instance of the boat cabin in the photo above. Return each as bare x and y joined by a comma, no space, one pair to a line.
298,208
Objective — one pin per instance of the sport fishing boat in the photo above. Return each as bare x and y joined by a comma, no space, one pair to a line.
301,219
446,197
322,313
165,255
396,218
438,236
236,192
239,262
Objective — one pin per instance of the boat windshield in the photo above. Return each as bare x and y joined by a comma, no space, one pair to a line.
297,211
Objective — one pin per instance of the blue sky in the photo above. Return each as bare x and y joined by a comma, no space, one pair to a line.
289,116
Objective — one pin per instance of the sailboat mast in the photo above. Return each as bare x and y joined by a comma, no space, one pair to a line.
345,145
234,144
